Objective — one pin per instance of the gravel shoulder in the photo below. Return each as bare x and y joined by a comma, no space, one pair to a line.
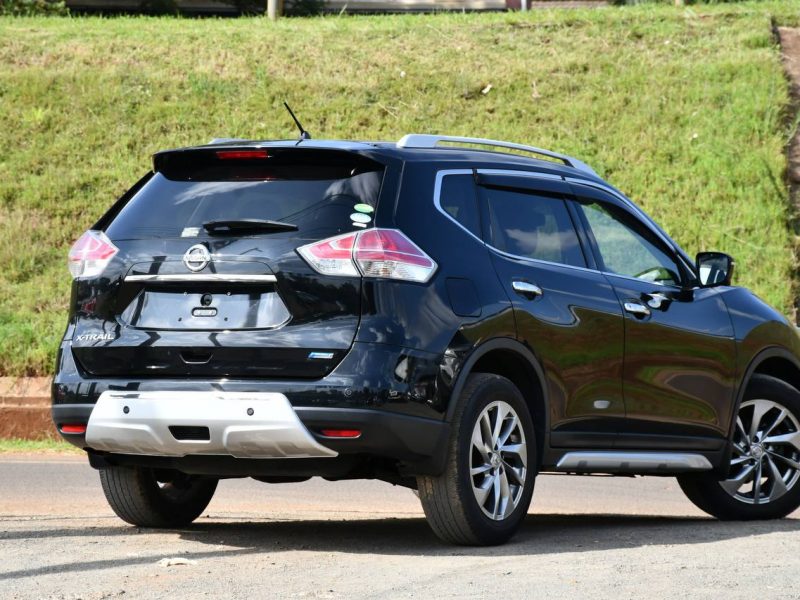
599,537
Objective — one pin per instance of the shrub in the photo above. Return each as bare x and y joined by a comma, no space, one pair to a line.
159,7
304,8
33,7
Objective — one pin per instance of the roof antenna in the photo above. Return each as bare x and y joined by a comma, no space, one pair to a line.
304,135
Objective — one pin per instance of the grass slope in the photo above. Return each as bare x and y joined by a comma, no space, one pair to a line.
47,446
683,109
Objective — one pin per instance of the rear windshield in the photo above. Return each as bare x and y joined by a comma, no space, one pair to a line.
320,193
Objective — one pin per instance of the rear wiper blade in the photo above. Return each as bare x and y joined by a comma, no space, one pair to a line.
245,225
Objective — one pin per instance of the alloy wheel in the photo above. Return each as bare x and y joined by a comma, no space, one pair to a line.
766,453
499,460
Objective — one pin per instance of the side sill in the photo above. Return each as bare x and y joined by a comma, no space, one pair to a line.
639,463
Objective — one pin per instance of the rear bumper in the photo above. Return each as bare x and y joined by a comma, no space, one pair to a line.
414,445
249,425
399,412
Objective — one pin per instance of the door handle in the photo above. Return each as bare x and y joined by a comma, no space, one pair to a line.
656,300
636,308
526,288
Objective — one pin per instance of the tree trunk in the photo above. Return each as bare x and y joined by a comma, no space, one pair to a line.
274,9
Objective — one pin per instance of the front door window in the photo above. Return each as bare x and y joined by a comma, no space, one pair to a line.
626,251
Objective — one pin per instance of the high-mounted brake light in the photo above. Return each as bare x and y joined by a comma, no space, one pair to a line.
241,154
381,253
90,255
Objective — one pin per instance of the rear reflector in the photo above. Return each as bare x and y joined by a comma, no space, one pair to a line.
241,154
73,428
90,255
341,433
381,253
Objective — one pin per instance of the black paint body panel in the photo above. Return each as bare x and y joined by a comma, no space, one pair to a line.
402,351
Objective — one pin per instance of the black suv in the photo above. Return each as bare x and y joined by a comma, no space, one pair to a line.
447,314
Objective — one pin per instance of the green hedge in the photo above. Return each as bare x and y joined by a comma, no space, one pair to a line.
32,7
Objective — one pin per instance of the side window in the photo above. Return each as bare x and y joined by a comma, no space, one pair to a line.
532,226
457,199
626,250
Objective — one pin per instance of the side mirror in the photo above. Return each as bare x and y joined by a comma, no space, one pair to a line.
714,268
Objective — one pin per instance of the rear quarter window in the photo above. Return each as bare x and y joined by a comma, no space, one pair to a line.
533,226
457,199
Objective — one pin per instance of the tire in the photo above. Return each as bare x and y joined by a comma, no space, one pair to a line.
449,500
149,498
770,453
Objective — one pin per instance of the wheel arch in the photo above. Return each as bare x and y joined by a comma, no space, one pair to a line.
777,362
510,359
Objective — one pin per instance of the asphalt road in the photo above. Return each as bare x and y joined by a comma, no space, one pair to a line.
592,537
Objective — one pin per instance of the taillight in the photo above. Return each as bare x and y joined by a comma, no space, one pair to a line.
382,253
332,256
90,255
389,254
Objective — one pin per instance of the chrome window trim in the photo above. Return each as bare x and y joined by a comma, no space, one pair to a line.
642,217
437,192
543,262
440,175
437,189
557,264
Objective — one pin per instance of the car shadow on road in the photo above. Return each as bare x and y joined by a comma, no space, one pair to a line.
542,534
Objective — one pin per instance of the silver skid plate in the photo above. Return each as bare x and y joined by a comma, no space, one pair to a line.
244,425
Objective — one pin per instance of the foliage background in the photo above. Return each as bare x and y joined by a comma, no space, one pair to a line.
684,109
32,7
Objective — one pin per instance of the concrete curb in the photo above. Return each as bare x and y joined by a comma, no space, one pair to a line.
25,408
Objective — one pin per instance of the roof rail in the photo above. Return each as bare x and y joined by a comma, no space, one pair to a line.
419,140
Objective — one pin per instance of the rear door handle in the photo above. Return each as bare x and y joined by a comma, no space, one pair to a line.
526,288
636,308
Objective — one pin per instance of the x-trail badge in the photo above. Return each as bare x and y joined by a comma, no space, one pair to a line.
196,257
